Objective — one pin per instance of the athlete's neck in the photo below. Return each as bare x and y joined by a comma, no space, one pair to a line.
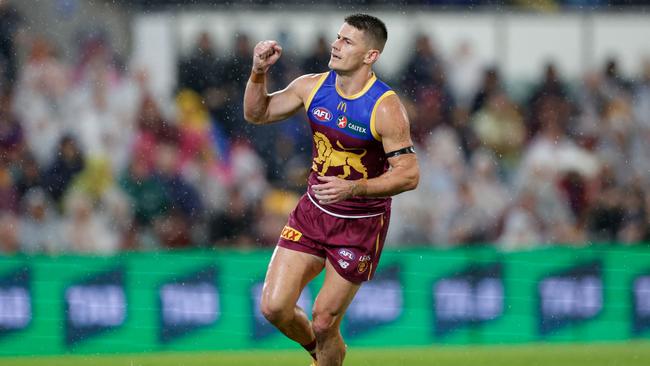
354,82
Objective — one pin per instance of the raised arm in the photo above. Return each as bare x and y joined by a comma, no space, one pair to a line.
260,107
393,126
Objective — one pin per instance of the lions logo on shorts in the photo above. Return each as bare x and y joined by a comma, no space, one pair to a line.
364,260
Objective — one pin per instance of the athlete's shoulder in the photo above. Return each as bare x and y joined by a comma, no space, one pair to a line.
313,77
391,116
389,103
306,83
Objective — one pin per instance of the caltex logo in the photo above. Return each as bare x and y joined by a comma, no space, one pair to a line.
342,121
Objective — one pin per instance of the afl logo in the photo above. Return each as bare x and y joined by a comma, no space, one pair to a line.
322,114
345,253
342,122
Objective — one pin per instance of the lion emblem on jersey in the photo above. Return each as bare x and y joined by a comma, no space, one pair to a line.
329,157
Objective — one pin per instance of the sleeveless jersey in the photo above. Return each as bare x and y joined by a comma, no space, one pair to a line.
345,142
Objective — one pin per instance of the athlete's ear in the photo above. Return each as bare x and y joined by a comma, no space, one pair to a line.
371,56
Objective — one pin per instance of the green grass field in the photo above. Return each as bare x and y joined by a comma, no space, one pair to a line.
595,354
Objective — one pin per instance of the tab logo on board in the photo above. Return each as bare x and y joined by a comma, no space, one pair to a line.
15,301
379,302
570,297
94,305
262,329
469,298
188,304
641,304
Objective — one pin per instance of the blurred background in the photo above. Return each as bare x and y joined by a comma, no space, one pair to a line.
123,148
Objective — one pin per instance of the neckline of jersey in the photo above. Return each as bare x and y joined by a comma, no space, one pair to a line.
363,91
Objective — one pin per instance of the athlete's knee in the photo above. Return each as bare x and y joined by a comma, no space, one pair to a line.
324,323
276,313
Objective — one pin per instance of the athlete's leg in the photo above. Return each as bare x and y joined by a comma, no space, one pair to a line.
333,300
288,273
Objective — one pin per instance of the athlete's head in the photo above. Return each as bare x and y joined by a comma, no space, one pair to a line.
359,42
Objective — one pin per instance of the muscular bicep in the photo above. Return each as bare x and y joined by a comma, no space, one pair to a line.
283,104
286,102
393,126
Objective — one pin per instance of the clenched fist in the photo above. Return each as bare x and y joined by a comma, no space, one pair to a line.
265,54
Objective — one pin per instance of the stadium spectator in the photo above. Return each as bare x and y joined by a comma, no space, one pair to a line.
10,23
41,99
167,172
102,112
232,225
551,90
490,191
206,72
468,221
521,227
641,96
11,131
273,211
173,230
202,69
615,140
237,68
421,65
9,237
490,85
317,60
465,71
39,226
442,166
500,128
434,104
635,217
8,193
86,229
68,162
614,82
28,175
153,129
147,201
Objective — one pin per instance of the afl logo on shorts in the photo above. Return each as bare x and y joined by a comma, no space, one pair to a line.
347,254
322,114
342,121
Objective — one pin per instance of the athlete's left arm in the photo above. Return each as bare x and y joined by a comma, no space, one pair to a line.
392,125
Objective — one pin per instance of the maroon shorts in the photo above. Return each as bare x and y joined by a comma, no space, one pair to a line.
352,245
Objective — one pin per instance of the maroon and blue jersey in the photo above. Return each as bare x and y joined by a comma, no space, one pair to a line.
345,141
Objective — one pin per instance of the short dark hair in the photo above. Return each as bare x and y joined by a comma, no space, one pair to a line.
374,28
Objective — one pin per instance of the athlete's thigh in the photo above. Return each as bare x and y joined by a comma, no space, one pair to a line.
288,273
335,295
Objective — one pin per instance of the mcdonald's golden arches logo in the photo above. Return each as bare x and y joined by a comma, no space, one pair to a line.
343,107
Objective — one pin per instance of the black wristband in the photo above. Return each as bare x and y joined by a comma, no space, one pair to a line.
406,150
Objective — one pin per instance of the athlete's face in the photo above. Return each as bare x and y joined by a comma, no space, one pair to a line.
350,50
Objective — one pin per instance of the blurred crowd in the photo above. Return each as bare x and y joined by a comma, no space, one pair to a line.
91,161
563,164
529,4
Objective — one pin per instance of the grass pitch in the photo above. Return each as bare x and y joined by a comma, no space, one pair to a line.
595,354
